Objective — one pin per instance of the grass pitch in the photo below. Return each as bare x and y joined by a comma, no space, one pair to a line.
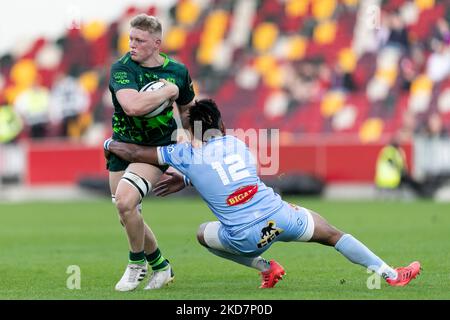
39,241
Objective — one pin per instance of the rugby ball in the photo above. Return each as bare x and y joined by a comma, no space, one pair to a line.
152,86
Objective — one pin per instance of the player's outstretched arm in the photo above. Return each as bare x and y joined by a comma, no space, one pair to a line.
132,152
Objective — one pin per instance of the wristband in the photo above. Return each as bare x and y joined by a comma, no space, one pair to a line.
106,143
187,181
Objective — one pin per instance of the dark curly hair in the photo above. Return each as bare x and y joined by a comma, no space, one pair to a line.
206,112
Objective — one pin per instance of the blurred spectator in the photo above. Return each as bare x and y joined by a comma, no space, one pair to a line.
33,106
438,63
441,31
411,65
342,80
68,100
433,127
407,128
398,36
382,32
408,72
392,169
301,85
311,80
432,151
324,78
10,124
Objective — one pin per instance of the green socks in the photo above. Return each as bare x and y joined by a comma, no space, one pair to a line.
137,257
157,261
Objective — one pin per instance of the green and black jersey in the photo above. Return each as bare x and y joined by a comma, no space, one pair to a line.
156,131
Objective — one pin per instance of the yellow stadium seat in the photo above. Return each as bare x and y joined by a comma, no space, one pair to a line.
387,75
124,43
296,48
89,81
347,60
205,54
187,12
325,32
371,130
351,3
212,35
24,73
12,92
296,8
93,30
332,102
209,39
424,4
216,24
323,9
265,36
274,78
421,84
175,39
265,64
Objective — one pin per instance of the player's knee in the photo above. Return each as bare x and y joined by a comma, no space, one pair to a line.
201,234
335,236
124,205
329,235
324,232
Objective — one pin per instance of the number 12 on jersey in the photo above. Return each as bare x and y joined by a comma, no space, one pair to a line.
235,169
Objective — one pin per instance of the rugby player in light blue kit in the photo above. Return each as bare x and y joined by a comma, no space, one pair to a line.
251,215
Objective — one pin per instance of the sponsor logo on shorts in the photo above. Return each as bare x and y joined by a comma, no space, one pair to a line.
268,233
242,195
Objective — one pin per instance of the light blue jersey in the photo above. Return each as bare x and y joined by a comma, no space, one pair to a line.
224,172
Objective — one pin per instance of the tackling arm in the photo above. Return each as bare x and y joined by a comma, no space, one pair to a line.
173,182
133,153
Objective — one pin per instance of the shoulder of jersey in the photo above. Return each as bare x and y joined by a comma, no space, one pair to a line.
171,60
125,59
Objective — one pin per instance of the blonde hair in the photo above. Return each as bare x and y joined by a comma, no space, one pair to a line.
147,23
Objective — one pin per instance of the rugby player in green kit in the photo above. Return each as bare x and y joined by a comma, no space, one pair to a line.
131,182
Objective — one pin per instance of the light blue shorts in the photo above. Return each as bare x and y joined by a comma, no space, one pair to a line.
290,223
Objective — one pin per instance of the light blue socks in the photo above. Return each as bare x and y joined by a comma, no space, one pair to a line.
358,253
